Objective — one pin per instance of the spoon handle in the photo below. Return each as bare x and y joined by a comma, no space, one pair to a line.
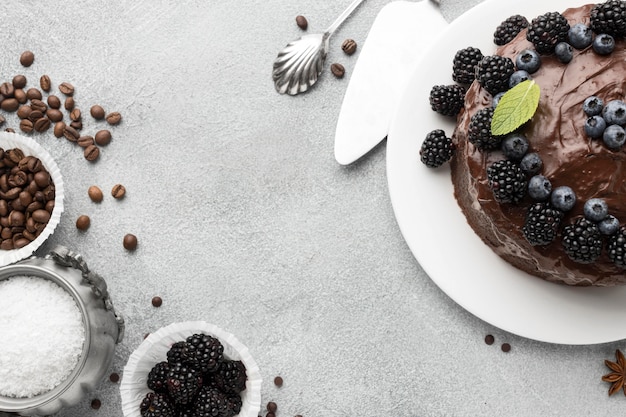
343,16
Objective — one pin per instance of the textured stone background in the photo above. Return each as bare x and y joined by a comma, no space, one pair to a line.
245,220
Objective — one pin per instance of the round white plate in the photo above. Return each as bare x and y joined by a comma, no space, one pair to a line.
439,236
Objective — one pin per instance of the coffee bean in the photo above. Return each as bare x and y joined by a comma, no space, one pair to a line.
33,93
9,104
44,83
19,81
338,70
97,112
40,216
20,96
302,22
349,46
34,165
7,89
118,191
157,301
272,407
75,114
17,218
42,179
54,115
85,141
43,124
505,347
130,242
24,111
102,137
66,88
91,153
37,104
278,381
69,103
26,126
83,222
96,403
113,118
270,414
27,58
95,193
34,115
489,339
59,129
76,124
114,377
71,134
54,102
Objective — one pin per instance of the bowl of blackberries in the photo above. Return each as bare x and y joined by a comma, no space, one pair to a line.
191,369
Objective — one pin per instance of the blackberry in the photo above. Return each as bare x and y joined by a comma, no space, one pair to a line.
234,404
183,383
493,73
207,350
179,352
436,149
464,65
447,99
546,30
507,181
479,130
609,17
156,405
542,223
508,29
617,247
231,376
157,378
582,241
211,402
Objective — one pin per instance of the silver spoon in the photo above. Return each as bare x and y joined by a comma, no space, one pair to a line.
299,64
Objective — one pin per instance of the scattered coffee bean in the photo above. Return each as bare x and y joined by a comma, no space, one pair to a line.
19,81
349,46
9,104
75,114
102,137
83,222
54,115
302,22
33,93
69,103
77,124
20,95
96,403
27,58
278,381
37,104
272,407
114,377
95,194
42,124
130,242
24,111
270,414
97,112
54,102
506,347
66,88
26,126
91,153
489,339
157,301
7,89
85,141
59,129
118,191
44,83
113,118
338,70
71,134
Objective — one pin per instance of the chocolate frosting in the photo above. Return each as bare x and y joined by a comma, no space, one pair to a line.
570,158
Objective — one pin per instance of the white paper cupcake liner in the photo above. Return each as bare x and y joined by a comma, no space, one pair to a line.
27,145
153,349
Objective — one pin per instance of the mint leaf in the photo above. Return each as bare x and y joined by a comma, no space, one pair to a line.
515,108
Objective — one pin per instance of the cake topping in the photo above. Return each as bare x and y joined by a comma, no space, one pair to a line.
507,181
447,100
479,131
436,149
603,44
547,30
563,198
580,36
493,73
515,146
595,210
609,225
542,223
539,188
582,241
564,52
528,60
464,65
609,17
516,107
617,248
508,29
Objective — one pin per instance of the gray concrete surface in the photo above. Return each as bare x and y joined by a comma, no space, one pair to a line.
245,220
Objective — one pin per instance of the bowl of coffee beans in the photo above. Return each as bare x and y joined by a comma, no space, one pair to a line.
191,368
31,197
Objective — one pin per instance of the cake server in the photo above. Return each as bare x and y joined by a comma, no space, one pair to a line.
393,45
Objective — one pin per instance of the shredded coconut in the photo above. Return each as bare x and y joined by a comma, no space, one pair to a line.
41,336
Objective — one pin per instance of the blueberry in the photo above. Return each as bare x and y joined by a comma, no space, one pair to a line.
580,36
603,44
564,52
594,126
609,225
539,188
614,112
595,209
614,137
563,198
517,77
515,146
593,105
528,60
531,163
496,99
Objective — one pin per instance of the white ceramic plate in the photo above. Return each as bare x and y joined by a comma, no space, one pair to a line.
436,231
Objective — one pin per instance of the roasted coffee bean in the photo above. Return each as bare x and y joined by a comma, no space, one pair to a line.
7,244
20,96
54,115
18,179
83,222
37,104
25,198
43,124
85,141
40,216
4,221
59,129
34,115
7,89
91,153
27,58
66,88
29,235
94,192
6,233
54,102
17,218
69,103
9,104
19,81
24,111
33,93
349,46
130,242
278,381
34,165
44,83
35,205
270,414
113,118
75,114
49,207
76,124
71,134
302,22
338,70
97,112
42,179
26,126
4,208
102,137
118,191
157,301
19,241
13,155
13,193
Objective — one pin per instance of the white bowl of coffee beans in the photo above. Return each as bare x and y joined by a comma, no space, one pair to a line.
191,368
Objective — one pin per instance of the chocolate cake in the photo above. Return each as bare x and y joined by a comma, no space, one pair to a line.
570,158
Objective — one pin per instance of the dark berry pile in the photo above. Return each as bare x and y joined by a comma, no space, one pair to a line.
509,29
547,30
609,17
195,381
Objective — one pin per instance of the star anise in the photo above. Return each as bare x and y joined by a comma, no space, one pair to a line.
617,378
